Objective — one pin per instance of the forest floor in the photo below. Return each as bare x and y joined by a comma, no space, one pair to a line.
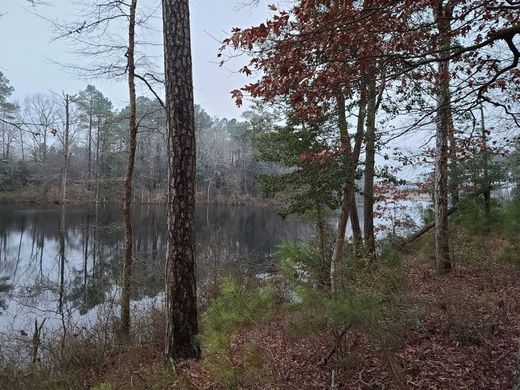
464,334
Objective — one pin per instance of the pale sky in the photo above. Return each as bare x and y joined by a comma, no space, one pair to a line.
26,47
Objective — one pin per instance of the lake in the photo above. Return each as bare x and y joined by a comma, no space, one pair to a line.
64,262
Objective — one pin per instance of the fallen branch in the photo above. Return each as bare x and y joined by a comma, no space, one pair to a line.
451,210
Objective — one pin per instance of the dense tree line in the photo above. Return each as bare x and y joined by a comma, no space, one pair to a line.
33,144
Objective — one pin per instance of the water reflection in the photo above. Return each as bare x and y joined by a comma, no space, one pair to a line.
57,262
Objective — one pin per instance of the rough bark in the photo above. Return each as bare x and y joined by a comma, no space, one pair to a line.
127,195
442,249
370,141
181,293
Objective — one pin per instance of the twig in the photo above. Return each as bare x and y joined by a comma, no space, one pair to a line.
132,378
334,349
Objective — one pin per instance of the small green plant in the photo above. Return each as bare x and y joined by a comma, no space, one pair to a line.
238,305
301,264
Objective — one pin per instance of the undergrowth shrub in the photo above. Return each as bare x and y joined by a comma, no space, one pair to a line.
511,253
504,218
238,304
301,264
468,248
367,297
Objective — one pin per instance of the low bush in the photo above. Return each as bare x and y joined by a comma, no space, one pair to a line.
239,304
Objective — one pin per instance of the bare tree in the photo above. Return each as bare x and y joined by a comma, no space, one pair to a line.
127,197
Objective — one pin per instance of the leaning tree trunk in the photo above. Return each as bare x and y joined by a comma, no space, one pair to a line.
368,191
181,293
442,248
127,196
348,186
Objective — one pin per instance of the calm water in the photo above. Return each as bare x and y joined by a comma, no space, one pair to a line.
65,262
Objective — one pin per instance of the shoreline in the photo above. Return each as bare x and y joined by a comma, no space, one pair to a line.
15,199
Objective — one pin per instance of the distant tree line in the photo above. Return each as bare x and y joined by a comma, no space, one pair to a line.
33,150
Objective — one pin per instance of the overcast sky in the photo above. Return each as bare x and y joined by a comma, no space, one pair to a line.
27,53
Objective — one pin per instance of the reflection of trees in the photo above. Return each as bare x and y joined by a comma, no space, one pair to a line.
74,255
5,287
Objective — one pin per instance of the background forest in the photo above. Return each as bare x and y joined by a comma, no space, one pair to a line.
33,157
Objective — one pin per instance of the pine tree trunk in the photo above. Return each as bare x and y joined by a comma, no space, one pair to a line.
127,195
442,248
181,293
370,141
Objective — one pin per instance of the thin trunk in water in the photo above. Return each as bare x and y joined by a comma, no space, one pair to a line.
181,292
127,197
61,301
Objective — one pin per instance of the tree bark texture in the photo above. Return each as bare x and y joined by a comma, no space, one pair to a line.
442,249
181,293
